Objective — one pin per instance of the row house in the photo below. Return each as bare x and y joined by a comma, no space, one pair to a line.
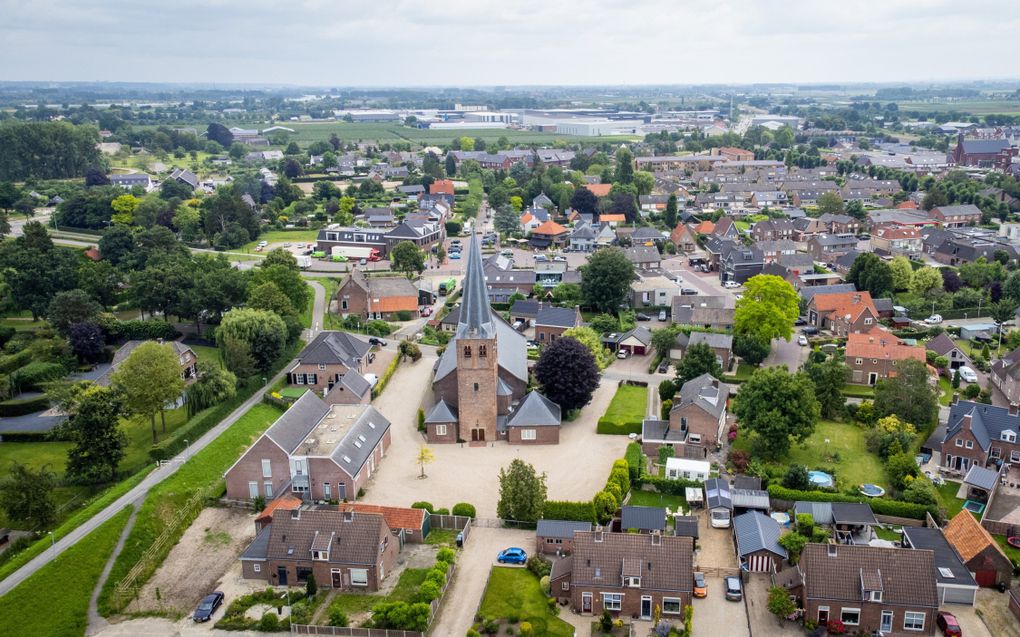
876,354
950,249
772,230
772,250
739,263
840,224
957,216
327,359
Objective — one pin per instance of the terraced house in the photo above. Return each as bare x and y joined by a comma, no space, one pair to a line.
977,434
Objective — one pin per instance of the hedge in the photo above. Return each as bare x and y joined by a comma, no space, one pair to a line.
611,427
22,406
26,436
464,509
563,510
668,486
139,330
878,505
390,369
35,374
635,460
10,363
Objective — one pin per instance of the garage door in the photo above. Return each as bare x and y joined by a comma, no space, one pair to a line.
957,595
985,578
639,350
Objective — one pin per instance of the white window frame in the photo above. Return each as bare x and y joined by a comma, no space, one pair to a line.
268,488
615,604
322,366
670,600
256,567
969,444
911,614
996,452
565,586
267,468
529,434
695,438
859,361
440,430
823,609
844,611
1014,456
876,596
882,622
327,491
253,489
359,577
1009,436
959,442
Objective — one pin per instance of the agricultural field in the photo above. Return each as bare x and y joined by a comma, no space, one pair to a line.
973,107
306,133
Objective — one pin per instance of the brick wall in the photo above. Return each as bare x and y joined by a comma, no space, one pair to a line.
322,376
871,616
543,436
249,468
435,437
631,604
356,297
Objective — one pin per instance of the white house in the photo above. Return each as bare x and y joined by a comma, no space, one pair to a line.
677,468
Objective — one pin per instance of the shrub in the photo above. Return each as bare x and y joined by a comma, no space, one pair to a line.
311,588
635,460
33,375
539,566
797,478
971,391
421,420
794,544
526,629
543,583
404,315
665,453
23,406
464,509
739,459
446,554
381,384
428,591
442,511
338,618
437,575
401,616
424,505
805,524
269,622
258,503
563,510
606,621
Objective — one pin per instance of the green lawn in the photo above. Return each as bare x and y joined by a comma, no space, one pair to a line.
200,472
858,391
626,411
443,537
1011,552
651,499
54,601
742,374
405,591
845,455
946,389
515,591
887,534
947,498
207,353
302,235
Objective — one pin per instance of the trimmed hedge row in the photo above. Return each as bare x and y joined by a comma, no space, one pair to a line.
390,369
22,406
564,510
668,486
878,505
635,460
613,428
136,329
25,436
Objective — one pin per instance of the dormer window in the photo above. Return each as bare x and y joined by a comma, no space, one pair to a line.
632,582
321,556
873,596
1009,436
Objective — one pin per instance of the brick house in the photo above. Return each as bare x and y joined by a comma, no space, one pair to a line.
772,230
697,420
703,311
842,313
628,574
732,153
315,451
895,239
826,247
869,589
942,345
721,344
551,322
840,224
324,361
977,434
345,550
875,354
957,216
644,257
548,234
1005,374
979,551
683,238
376,297
985,153
556,537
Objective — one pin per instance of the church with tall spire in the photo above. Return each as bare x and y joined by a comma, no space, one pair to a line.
480,384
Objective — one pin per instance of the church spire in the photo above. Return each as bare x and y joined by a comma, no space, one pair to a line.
475,313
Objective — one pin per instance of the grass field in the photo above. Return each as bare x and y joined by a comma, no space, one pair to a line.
200,472
515,591
207,353
835,448
974,106
54,601
405,591
281,236
947,498
650,499
305,133
630,403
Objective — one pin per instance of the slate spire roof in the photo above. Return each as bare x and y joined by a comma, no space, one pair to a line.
475,313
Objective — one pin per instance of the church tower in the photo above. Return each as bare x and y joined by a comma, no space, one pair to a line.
477,363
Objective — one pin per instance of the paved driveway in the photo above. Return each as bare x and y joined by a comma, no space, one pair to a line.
764,623
473,566
715,546
715,616
787,353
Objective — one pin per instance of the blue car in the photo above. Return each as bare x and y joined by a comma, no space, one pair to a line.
512,556
455,255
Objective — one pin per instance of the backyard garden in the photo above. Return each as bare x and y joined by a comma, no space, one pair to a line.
626,411
515,597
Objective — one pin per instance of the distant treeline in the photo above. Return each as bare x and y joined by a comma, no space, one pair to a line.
47,150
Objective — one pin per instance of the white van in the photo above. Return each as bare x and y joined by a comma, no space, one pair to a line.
720,518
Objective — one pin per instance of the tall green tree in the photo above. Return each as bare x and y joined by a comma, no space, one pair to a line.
829,378
149,380
567,373
926,282
624,166
908,395
901,273
830,203
768,309
670,216
264,332
98,442
26,495
779,408
871,273
522,492
407,258
606,279
70,307
697,360
287,279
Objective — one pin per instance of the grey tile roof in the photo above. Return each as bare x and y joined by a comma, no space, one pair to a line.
556,316
475,313
712,339
946,556
984,146
295,424
809,292
356,539
750,499
706,392
821,512
641,333
535,410
560,528
352,382
755,532
525,307
852,513
259,547
642,518
664,567
441,413
941,344
331,348
907,574
659,430
361,439
643,254
987,421
717,494
685,526
981,478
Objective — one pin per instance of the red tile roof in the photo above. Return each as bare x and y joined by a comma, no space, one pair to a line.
611,218
968,537
396,517
843,303
599,190
882,344
550,228
286,502
441,187
907,205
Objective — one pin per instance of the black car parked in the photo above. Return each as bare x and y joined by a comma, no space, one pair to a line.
208,606
376,341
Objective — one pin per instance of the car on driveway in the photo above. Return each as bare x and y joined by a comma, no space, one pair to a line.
802,340
207,607
688,291
968,375
664,367
734,589
643,317
809,329
512,555
731,285
376,341
623,353
662,315
948,624
700,588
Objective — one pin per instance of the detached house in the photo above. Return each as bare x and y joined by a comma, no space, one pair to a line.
842,313
957,216
627,574
772,230
876,354
683,238
315,451
644,257
942,345
870,589
826,247
344,550
697,420
327,359
377,297
977,434
897,239
551,322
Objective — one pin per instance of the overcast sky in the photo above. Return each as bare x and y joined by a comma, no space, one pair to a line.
460,42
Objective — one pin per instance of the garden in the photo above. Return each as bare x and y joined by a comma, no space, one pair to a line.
516,602
626,411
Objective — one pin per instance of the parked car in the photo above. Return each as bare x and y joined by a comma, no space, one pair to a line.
800,321
688,291
506,252
207,607
426,310
664,367
802,340
731,284
662,315
967,374
541,258
512,555
363,262
376,341
643,317
700,589
948,624
809,330
560,258
623,353
455,255
934,319
734,589
263,243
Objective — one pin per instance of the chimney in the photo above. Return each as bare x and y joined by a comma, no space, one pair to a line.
1013,408
966,422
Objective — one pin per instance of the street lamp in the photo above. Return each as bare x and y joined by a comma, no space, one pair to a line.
53,540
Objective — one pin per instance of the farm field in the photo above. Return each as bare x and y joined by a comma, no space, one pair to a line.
974,107
393,132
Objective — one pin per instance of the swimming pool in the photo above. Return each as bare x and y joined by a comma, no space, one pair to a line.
872,490
820,479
